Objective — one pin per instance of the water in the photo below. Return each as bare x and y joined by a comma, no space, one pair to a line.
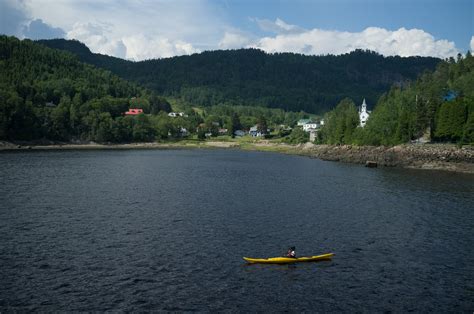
148,230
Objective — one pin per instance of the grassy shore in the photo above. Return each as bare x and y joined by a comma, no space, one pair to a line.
429,156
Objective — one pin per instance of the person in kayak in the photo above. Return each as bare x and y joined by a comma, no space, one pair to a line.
291,252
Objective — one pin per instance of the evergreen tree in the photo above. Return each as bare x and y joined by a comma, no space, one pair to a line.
262,126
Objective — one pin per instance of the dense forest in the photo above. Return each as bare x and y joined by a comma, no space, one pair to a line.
289,81
438,106
48,94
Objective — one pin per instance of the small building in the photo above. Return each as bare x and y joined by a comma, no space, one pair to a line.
222,131
363,114
239,133
450,95
183,132
255,132
50,104
302,122
311,126
134,111
177,114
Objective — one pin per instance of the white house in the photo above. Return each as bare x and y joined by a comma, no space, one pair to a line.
255,132
177,114
302,122
183,132
363,114
311,126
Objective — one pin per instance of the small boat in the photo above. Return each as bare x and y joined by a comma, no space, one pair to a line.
288,260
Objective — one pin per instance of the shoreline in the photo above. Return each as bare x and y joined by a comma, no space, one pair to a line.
446,157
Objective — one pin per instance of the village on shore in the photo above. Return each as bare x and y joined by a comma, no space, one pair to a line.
308,125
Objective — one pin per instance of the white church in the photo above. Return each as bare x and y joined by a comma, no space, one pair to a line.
363,114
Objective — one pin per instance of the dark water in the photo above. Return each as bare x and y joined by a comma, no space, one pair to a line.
166,230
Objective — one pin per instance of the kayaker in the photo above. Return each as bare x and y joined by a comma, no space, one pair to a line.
291,252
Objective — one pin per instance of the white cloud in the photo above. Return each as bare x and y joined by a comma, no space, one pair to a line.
37,29
141,47
233,40
167,26
143,29
278,27
403,42
472,44
97,38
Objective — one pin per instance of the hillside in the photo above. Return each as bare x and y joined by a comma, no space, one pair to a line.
288,81
439,106
48,94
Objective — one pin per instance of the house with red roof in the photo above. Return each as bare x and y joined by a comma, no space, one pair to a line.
134,111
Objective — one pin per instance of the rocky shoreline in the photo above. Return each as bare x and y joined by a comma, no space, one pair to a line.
427,156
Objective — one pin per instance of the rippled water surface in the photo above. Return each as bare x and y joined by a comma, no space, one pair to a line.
166,230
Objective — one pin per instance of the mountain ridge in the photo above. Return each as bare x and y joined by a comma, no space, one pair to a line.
288,81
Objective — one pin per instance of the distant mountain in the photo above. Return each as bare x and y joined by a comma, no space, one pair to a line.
252,77
85,55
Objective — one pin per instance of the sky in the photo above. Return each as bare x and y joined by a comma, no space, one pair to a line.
147,29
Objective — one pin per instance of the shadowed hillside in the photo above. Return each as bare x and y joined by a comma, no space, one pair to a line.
252,77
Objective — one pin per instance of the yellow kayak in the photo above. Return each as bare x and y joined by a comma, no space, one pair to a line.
289,260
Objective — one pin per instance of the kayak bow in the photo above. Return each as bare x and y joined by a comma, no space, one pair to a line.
288,260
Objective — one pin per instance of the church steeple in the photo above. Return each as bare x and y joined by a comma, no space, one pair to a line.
363,114
364,106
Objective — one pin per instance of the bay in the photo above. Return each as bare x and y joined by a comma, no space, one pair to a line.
150,230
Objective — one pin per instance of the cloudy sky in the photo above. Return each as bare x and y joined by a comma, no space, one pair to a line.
145,29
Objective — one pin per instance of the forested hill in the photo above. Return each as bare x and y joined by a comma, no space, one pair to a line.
48,94
252,77
439,106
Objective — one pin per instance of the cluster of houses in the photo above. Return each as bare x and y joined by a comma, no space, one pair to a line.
313,126
253,131
135,111
308,125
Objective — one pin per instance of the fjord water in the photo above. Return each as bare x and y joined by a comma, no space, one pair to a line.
165,230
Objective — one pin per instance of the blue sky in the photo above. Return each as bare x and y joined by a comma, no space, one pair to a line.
452,20
144,29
